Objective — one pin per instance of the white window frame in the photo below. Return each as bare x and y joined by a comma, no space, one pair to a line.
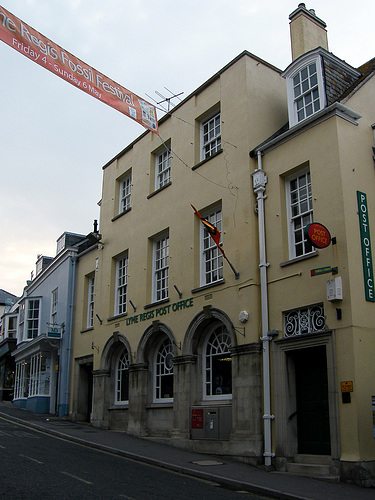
125,193
11,333
298,221
21,323
39,376
60,244
121,284
210,254
54,302
210,135
90,301
160,268
163,367
39,266
291,74
122,366
32,331
35,364
217,344
162,168
20,382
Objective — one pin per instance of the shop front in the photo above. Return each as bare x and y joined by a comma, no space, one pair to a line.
7,368
36,375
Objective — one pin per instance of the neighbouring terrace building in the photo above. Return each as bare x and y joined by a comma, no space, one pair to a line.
8,341
44,317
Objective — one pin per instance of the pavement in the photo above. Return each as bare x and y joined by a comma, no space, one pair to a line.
225,472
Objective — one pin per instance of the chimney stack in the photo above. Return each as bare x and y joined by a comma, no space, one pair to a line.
307,31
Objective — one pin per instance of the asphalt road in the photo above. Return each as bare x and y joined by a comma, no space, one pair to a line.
39,466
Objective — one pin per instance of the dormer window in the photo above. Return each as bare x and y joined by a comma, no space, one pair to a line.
306,92
305,88
315,81
60,244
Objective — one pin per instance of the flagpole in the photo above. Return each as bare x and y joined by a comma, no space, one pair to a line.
215,235
236,274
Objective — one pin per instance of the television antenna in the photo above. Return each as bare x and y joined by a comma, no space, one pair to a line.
167,99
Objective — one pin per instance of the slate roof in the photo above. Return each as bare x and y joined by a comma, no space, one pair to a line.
6,295
366,70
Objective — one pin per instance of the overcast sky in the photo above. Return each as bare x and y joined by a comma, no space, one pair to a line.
55,138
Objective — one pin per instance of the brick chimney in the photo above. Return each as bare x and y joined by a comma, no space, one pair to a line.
307,32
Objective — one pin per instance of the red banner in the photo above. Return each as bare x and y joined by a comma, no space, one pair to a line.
47,54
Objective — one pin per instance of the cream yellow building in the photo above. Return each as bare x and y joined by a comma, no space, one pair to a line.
320,170
172,340
162,289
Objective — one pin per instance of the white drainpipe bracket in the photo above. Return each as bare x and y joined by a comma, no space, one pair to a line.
270,417
265,264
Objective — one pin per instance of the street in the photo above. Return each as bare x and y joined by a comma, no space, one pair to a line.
36,465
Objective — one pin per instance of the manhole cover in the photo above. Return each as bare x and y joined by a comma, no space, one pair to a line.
207,462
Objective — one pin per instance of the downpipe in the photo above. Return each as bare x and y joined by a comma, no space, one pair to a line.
259,187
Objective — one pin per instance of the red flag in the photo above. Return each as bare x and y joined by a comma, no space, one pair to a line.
212,230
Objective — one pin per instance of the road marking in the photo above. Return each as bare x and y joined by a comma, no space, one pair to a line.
30,458
3,433
18,434
76,477
25,434
3,447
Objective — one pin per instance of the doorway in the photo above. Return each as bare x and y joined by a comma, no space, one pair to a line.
312,401
85,392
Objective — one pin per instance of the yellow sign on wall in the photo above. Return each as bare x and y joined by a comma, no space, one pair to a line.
347,386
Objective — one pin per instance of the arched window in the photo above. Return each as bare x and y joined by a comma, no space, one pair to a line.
217,364
164,372
122,377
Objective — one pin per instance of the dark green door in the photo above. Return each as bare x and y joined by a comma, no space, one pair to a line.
312,401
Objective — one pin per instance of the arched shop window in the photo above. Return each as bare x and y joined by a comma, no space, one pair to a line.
122,377
164,372
217,365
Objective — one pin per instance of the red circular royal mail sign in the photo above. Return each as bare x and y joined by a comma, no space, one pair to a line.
318,235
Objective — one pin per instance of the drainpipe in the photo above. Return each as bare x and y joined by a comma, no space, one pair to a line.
63,406
259,187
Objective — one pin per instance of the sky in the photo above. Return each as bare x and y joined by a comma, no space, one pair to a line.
55,139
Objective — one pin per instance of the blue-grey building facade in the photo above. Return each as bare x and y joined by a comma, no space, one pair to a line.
44,333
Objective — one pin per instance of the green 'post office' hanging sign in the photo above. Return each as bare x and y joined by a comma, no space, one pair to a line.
364,226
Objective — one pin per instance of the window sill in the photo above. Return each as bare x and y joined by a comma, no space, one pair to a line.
157,303
216,402
205,287
118,316
87,329
206,160
155,406
124,406
120,215
222,398
158,190
298,259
